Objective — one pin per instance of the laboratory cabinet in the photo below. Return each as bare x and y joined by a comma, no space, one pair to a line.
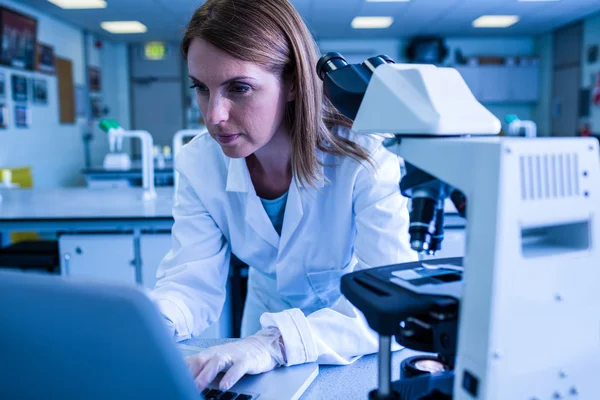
502,84
115,258
98,257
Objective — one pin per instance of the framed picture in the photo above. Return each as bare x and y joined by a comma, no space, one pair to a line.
3,116
45,58
40,91
22,117
19,88
94,79
18,36
2,85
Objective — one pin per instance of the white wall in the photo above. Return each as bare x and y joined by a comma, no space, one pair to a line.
56,151
589,72
358,50
53,150
113,61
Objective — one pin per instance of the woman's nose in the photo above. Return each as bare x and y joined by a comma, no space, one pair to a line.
218,111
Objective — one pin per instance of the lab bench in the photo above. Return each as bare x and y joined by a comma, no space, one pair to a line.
97,177
348,382
115,235
103,234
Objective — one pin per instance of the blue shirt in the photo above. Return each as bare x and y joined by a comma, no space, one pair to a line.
275,210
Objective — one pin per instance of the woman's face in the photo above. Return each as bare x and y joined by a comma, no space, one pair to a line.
242,103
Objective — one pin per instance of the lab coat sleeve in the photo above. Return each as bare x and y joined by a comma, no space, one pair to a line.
340,334
190,290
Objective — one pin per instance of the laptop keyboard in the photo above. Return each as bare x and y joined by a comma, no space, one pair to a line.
214,394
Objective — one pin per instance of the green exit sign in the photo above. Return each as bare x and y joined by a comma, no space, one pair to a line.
155,51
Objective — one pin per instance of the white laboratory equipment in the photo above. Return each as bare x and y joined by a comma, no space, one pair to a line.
513,311
178,139
6,182
115,134
158,156
518,127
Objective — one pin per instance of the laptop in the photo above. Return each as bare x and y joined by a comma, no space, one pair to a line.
67,339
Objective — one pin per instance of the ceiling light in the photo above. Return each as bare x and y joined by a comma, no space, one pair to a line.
372,22
79,4
124,27
495,21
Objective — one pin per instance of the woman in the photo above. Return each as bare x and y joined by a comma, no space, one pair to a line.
282,182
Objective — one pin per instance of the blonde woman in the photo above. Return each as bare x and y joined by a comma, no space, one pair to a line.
281,182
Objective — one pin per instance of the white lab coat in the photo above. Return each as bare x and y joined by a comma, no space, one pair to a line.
358,220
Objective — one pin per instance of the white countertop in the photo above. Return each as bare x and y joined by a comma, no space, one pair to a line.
84,203
350,382
87,203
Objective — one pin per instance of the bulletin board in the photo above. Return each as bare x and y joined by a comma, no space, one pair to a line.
66,91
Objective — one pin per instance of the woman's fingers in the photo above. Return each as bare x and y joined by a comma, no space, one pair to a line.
234,374
196,362
210,370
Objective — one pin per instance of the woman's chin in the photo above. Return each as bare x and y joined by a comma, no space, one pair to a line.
235,151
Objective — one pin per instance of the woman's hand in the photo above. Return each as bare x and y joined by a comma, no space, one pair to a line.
253,355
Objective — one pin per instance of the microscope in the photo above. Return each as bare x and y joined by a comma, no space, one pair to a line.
507,321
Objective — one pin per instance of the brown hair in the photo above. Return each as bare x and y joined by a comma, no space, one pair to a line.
272,34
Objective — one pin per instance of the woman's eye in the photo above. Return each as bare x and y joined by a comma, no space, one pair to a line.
240,88
199,88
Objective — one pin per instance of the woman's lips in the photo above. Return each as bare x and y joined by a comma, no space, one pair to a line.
227,139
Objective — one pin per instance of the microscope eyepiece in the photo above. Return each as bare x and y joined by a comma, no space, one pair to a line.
345,84
330,62
374,62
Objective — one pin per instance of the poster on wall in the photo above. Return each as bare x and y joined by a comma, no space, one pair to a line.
45,58
2,85
94,79
3,116
22,117
18,35
19,88
40,91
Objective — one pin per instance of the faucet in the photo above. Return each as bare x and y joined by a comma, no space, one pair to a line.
177,145
116,134
515,125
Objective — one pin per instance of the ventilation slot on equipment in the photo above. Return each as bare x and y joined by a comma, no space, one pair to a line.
549,176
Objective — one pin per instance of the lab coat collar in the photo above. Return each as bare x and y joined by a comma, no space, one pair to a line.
320,183
238,180
238,177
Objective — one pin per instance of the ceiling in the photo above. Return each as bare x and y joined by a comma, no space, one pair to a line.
330,19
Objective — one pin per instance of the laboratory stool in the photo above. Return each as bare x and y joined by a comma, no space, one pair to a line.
33,255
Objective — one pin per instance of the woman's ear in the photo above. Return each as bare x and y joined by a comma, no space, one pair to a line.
291,89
